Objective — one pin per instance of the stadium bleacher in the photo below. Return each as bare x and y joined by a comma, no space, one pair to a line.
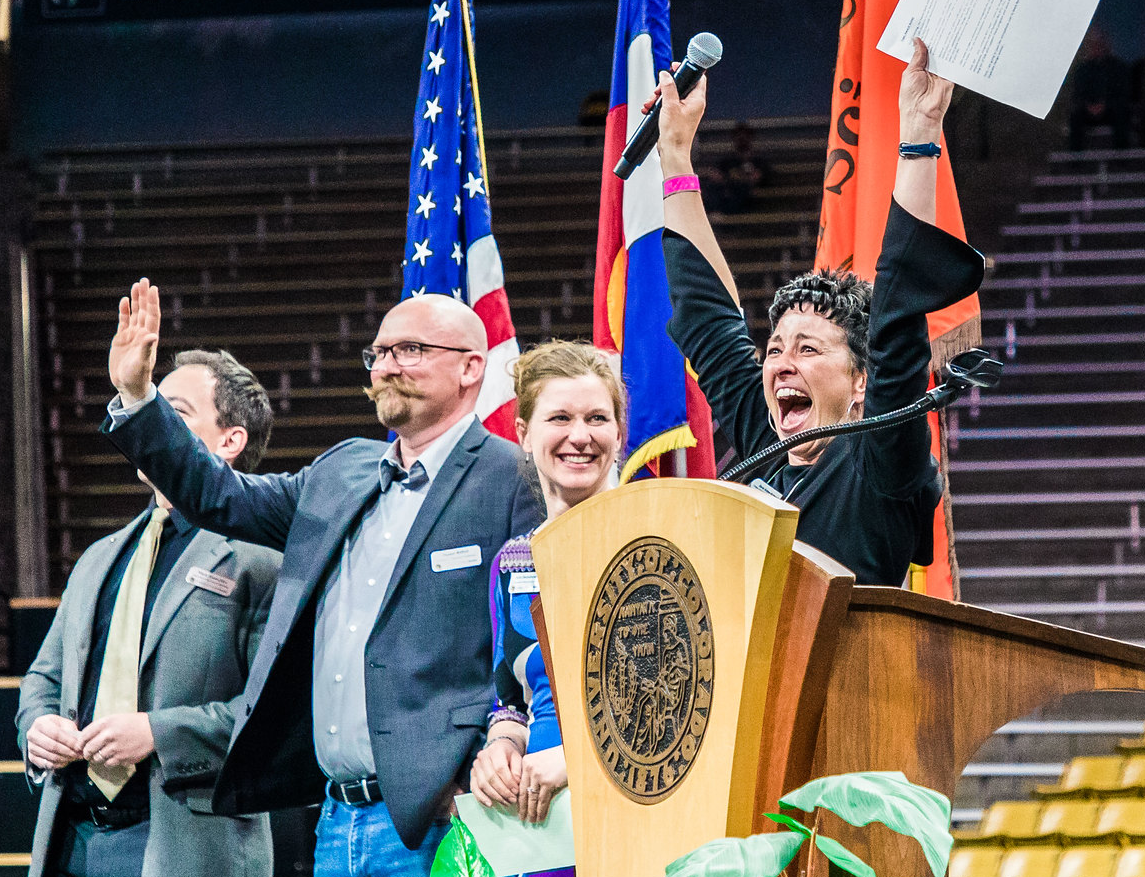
288,255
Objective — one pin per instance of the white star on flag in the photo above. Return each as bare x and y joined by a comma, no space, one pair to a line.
475,186
421,252
425,204
453,252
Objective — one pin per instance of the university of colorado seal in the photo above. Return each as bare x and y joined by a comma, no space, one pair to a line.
649,668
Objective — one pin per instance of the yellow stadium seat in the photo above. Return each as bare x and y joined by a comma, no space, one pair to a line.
1133,776
1086,776
1131,863
1088,862
1123,818
1072,818
976,861
1132,744
1030,862
1006,821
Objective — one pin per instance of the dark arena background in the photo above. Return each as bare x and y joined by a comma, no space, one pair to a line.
252,159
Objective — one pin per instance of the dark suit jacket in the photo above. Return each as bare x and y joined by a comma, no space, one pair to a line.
428,659
194,661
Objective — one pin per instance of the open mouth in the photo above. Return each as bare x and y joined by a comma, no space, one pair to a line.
794,409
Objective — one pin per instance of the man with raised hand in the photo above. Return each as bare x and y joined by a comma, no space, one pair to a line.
126,713
373,680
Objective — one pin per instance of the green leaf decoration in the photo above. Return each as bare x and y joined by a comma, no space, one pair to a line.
832,849
458,856
793,824
887,797
843,857
761,855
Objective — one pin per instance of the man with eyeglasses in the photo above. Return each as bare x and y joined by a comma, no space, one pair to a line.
382,602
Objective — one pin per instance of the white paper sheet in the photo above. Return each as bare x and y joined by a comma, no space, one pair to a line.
1014,51
511,846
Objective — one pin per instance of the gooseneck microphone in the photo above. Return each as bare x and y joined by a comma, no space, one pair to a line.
704,51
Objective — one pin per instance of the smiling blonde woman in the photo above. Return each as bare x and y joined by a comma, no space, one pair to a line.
571,425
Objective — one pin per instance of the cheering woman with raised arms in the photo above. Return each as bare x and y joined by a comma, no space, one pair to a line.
838,350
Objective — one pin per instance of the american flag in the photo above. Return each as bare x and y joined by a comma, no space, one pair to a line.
450,248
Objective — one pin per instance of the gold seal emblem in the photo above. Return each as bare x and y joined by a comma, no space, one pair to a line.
648,668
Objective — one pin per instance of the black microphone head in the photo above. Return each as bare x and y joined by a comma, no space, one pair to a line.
974,368
705,50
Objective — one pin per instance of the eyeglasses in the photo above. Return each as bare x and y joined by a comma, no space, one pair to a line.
405,353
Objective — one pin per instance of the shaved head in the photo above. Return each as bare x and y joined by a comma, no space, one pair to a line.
443,320
421,400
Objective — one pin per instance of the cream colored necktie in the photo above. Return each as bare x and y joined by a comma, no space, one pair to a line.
119,678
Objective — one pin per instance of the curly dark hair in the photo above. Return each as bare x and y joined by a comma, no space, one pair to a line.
840,296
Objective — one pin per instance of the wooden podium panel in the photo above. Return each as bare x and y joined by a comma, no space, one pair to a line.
815,604
795,674
738,542
918,684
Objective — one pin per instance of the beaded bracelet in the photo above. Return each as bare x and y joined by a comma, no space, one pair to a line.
683,183
507,714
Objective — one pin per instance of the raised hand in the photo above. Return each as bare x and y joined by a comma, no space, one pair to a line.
679,120
923,99
131,359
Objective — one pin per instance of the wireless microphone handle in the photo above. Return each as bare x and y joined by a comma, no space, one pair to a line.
637,149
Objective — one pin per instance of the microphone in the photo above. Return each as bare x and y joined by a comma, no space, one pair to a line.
704,51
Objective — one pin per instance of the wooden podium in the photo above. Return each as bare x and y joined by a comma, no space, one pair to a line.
705,663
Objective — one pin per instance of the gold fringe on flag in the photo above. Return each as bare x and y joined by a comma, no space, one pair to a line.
672,440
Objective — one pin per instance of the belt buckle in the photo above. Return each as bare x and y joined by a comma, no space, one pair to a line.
98,817
102,817
364,785
356,793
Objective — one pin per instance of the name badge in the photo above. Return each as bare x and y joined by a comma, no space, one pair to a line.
210,581
524,583
455,558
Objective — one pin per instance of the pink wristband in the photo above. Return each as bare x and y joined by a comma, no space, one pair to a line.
685,183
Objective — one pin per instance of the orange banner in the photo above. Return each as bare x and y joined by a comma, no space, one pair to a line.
862,152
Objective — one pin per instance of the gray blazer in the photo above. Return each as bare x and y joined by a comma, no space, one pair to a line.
194,662
429,659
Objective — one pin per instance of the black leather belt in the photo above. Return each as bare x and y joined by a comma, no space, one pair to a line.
109,817
356,793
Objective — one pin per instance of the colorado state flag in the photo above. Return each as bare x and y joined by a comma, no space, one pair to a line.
630,305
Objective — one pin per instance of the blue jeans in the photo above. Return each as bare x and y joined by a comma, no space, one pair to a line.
362,842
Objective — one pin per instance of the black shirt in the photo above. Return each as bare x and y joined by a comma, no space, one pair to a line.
177,535
869,500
